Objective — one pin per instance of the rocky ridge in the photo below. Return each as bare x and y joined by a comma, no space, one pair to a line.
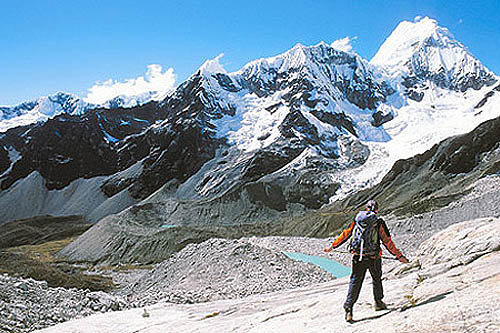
41,110
47,107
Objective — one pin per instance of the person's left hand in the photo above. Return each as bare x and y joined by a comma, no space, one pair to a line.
403,260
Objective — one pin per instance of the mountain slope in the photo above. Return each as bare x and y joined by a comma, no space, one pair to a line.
440,175
282,135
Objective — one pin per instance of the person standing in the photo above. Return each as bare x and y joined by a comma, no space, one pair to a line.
367,230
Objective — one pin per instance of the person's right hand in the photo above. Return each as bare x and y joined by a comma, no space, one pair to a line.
403,260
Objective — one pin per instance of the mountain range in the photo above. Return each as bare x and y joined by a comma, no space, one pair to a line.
277,138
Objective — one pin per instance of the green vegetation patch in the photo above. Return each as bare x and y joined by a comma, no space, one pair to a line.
41,229
39,262
28,249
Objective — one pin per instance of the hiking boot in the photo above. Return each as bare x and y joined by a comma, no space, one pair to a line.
379,306
348,315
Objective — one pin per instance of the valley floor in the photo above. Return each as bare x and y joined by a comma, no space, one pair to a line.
437,294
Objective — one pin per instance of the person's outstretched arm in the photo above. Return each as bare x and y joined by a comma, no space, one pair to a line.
385,236
341,238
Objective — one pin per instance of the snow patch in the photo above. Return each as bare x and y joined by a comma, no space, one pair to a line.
14,156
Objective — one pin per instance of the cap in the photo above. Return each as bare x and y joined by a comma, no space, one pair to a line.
372,205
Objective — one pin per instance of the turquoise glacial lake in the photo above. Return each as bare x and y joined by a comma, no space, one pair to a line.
331,266
168,226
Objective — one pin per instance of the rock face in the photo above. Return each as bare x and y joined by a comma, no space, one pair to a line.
69,147
452,285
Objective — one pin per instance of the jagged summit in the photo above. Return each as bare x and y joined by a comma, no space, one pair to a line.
322,61
405,40
422,51
211,66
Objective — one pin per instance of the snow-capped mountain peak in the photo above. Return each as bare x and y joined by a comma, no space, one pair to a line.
422,51
48,105
297,58
319,68
212,66
405,40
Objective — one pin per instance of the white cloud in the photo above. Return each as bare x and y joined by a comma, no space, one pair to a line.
153,80
343,44
417,18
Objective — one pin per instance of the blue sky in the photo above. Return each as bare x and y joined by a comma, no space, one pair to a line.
50,46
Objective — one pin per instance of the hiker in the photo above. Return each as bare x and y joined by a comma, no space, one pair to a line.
366,230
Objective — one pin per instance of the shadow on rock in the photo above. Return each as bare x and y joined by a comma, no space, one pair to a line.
373,317
430,300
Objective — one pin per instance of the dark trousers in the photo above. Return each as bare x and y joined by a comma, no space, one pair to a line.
358,275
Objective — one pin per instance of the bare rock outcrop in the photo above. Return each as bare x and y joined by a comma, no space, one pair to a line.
459,245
